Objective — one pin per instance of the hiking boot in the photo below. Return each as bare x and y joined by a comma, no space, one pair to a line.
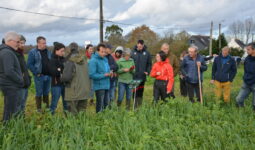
38,101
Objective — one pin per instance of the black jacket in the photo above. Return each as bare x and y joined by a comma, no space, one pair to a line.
249,70
113,65
224,72
24,69
10,72
55,68
143,63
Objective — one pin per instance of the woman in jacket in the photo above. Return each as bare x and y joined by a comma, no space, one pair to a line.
162,71
126,70
56,67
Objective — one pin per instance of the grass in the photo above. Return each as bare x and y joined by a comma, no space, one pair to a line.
178,124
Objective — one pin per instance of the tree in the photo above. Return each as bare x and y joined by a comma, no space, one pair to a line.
113,35
237,29
236,52
145,33
249,26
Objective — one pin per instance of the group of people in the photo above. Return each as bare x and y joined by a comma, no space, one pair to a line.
76,77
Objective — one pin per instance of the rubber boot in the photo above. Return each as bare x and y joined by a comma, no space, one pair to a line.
38,101
118,103
46,101
128,103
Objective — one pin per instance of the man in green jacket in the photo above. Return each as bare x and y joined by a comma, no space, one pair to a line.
126,70
76,79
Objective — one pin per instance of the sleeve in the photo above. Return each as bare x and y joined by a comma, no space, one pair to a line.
31,62
9,70
68,72
153,73
176,66
203,66
214,68
149,63
183,66
170,79
114,65
93,74
133,64
120,69
233,71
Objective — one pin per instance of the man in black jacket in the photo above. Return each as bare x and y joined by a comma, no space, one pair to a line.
223,73
113,67
248,78
142,59
24,71
11,80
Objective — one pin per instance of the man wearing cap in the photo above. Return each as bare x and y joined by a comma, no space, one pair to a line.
114,68
142,59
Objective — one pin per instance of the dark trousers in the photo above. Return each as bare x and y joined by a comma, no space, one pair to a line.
192,89
12,102
160,90
140,90
76,106
102,100
183,88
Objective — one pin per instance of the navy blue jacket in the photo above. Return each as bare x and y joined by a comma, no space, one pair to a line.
143,63
249,70
224,72
113,65
189,68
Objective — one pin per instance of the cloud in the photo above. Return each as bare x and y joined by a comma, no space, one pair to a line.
192,15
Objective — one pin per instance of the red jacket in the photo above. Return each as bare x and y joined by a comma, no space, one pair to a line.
166,73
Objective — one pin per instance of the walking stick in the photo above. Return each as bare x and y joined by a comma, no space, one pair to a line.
134,98
200,85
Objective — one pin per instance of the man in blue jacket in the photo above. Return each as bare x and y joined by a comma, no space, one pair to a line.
38,59
248,78
189,69
223,73
11,79
99,72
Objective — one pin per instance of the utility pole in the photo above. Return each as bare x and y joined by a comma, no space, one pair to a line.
219,37
101,22
252,35
211,33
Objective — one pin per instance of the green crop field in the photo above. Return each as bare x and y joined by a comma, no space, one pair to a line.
178,124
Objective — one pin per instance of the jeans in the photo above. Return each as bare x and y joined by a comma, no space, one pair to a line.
183,88
92,92
122,88
42,85
102,97
12,102
24,94
56,92
244,93
112,90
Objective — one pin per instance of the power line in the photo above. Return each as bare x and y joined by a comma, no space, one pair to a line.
106,21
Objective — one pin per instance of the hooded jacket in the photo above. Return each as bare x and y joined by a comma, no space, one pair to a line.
174,62
76,78
98,67
166,73
142,59
125,77
10,72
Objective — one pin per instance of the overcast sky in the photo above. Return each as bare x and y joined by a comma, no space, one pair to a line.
161,15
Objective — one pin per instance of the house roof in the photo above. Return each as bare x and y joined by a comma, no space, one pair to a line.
205,40
240,43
